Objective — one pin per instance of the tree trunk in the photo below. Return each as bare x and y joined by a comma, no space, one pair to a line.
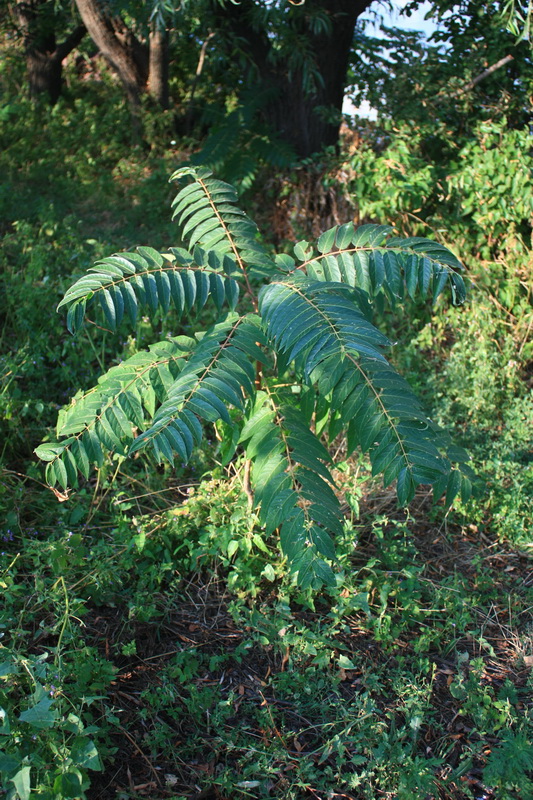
127,56
44,57
300,116
158,67
294,112
44,75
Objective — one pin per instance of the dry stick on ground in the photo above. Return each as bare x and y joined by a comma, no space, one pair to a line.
138,749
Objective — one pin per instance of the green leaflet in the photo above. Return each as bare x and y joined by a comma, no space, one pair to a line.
123,283
220,372
214,221
292,484
365,258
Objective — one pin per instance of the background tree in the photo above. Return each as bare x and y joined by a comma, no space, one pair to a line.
284,65
38,23
470,68
438,95
296,58
137,52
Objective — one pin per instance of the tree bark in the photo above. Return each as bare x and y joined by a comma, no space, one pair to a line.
294,113
44,57
158,67
126,54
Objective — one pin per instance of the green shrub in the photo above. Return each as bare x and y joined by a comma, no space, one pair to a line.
475,373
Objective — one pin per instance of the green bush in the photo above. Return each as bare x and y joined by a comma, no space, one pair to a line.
475,372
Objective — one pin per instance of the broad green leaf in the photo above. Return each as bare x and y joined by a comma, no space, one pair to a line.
22,783
70,785
326,241
84,754
8,763
41,715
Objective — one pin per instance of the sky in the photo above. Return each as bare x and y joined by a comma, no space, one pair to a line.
415,22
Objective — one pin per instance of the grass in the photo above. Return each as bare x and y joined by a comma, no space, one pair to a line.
153,643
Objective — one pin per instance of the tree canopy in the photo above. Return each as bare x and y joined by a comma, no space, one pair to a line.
284,67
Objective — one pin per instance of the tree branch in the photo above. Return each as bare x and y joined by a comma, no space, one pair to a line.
70,43
474,82
196,78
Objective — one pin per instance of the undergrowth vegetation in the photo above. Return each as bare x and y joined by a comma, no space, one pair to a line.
154,640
